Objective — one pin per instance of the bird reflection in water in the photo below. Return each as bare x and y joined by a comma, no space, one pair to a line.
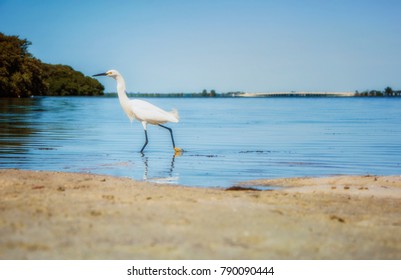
168,176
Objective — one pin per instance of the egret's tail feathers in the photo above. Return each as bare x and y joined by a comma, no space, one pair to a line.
175,114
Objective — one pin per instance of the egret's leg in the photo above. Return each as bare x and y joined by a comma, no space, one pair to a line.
146,140
171,133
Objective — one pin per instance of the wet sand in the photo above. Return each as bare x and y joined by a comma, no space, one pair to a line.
53,215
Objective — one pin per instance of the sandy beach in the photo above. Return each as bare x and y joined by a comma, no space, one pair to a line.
53,215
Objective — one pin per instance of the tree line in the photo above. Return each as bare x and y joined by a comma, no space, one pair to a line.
23,75
388,91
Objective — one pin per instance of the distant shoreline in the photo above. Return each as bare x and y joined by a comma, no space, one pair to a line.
255,94
239,95
296,93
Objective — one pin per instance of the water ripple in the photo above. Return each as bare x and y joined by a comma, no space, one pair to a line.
225,141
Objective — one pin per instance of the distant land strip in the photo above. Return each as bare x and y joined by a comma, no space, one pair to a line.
268,94
296,93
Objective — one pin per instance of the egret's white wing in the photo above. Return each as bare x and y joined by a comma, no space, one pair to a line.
144,111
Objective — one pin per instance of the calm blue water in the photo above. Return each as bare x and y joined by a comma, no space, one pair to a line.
226,140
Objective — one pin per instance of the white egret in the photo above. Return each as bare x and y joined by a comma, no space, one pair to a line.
141,110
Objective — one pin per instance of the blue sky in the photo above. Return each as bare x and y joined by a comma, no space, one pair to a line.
246,45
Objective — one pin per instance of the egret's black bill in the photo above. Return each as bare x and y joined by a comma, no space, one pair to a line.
100,74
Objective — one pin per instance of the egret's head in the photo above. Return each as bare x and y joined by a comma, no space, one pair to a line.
110,73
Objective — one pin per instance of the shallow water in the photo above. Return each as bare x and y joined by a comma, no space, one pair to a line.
226,140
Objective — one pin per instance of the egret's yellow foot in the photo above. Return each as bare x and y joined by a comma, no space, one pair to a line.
178,151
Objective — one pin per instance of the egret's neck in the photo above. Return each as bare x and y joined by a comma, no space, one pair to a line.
122,95
123,98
